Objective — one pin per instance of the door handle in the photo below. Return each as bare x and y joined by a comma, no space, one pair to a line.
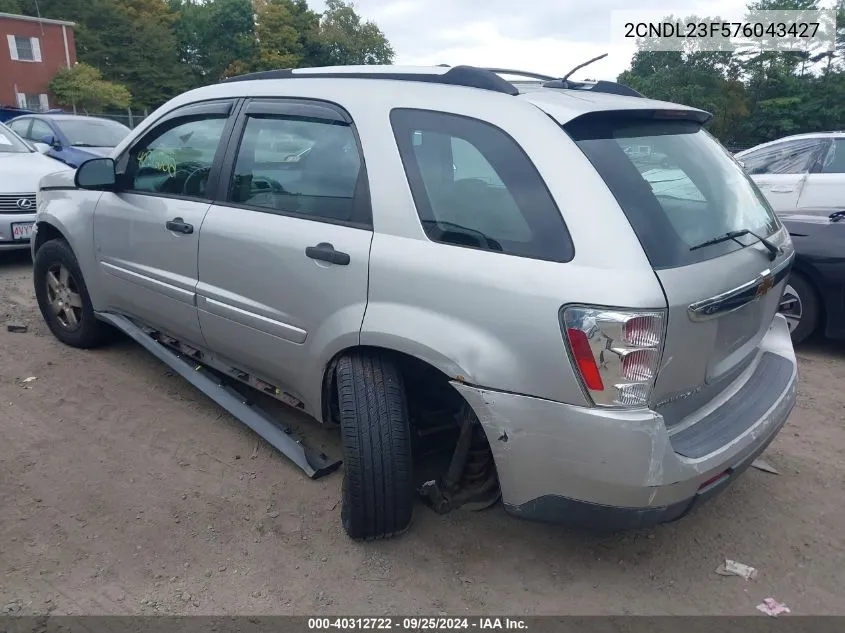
326,252
781,189
178,225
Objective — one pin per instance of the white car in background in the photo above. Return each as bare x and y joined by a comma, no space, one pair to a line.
21,167
799,172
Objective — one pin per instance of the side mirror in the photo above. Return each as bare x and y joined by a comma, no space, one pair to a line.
43,148
97,174
51,141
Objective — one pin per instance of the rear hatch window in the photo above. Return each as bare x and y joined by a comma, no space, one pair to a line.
676,184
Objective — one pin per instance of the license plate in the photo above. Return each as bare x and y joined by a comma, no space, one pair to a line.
22,230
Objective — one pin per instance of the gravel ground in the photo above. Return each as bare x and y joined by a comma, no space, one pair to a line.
123,490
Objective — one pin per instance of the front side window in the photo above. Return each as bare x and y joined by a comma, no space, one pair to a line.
788,157
39,130
299,166
473,186
677,186
174,158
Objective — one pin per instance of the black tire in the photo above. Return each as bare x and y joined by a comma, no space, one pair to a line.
809,300
378,490
88,331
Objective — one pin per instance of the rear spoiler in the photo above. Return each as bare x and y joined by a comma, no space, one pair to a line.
693,115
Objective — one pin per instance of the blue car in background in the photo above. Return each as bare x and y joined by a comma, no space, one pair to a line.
72,138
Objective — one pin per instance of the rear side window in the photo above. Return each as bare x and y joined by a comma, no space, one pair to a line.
788,157
677,186
473,186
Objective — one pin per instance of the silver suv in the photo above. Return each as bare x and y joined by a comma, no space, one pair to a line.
559,294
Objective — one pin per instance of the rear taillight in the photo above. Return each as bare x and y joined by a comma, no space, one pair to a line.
616,353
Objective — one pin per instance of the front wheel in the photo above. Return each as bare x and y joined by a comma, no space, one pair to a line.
63,297
378,490
800,305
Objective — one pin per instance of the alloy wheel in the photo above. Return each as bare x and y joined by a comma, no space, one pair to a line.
63,295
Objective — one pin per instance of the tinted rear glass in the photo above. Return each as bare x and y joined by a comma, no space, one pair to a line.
475,187
676,184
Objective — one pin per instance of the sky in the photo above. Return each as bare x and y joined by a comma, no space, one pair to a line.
544,36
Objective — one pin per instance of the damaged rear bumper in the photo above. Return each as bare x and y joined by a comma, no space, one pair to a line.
612,469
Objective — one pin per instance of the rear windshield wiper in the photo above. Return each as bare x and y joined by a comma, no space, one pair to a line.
732,235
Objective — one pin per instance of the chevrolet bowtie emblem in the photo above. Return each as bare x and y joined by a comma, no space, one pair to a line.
765,285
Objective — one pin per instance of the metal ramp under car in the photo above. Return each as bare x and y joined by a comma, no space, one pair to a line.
314,463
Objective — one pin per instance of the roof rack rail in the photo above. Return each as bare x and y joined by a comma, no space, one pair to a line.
521,73
468,76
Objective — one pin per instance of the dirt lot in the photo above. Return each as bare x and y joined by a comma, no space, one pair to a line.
123,490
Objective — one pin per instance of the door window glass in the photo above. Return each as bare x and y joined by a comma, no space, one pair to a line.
21,127
789,157
39,130
473,186
174,159
298,166
834,160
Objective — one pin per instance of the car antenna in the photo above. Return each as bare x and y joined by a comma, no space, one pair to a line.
580,66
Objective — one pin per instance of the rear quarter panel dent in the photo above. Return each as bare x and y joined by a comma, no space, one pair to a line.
544,441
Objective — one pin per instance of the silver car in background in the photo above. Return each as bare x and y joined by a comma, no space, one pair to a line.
570,291
21,167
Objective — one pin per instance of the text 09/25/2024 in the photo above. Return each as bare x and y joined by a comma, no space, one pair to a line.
416,623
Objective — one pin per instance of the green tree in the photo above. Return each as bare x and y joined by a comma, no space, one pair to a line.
82,86
191,30
159,48
10,6
279,44
149,64
346,39
132,42
230,38
288,34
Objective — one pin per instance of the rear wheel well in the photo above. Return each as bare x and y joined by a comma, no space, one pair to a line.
453,464
423,382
